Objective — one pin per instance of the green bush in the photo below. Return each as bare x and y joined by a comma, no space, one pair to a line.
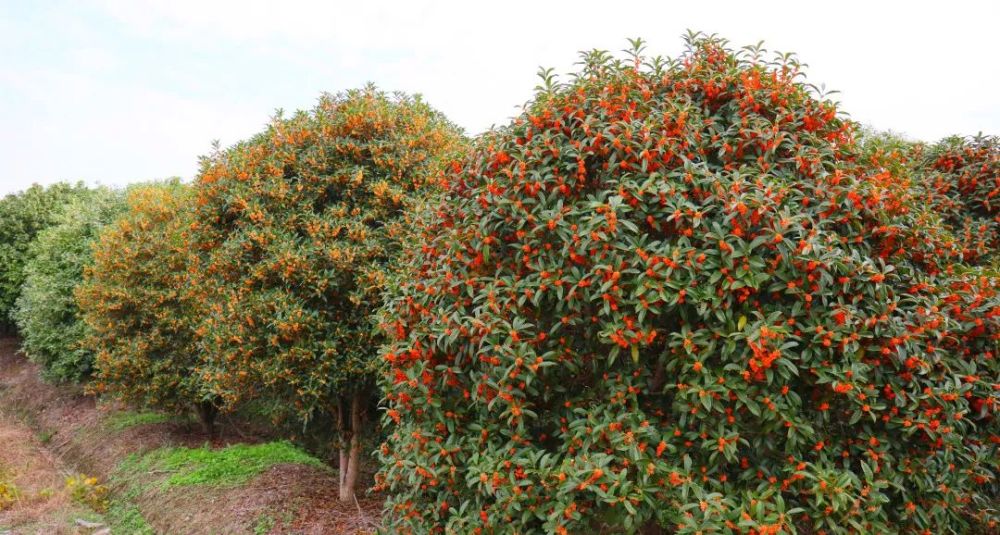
673,296
22,216
300,228
46,314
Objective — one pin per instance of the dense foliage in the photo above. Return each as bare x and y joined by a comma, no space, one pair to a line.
46,313
946,190
136,299
963,175
677,296
22,216
672,296
300,227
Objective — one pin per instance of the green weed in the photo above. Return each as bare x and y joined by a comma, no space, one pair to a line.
8,493
121,421
124,517
264,524
88,491
45,437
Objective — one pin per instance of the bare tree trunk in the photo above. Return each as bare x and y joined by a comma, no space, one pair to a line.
350,476
343,467
207,411
342,432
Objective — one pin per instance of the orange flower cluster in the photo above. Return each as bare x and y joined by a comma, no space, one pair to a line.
731,325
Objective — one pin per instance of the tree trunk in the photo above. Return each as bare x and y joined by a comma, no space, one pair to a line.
342,432
343,466
349,476
207,411
652,528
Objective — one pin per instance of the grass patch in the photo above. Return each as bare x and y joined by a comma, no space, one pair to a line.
124,517
45,437
123,420
264,524
140,476
231,465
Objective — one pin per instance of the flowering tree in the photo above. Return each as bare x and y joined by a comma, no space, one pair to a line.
671,296
962,176
138,301
300,228
943,207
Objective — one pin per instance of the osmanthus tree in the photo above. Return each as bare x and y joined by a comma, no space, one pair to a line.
963,179
300,228
139,302
945,214
671,297
22,216
46,314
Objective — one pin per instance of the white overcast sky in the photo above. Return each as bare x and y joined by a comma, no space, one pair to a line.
117,91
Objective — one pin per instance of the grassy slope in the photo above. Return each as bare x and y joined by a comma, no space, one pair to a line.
164,475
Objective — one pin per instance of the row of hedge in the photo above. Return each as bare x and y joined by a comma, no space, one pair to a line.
671,296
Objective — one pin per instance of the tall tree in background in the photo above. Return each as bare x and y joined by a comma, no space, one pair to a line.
22,216
46,313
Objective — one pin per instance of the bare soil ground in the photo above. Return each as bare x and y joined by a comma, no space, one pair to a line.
48,432
37,500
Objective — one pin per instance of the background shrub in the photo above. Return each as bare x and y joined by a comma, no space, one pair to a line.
46,314
671,296
22,216
136,300
300,228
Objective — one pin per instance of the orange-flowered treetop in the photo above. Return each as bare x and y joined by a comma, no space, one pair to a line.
139,302
299,228
677,294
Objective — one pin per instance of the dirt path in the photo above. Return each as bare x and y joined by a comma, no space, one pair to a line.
33,494
49,432
33,486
